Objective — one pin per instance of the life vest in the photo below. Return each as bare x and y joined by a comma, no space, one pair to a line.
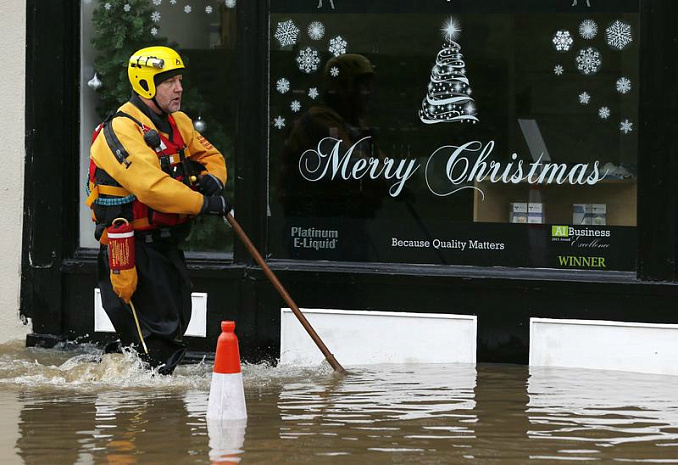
108,198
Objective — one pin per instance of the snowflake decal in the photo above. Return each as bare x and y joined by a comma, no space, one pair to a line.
279,122
157,2
584,98
562,41
230,3
313,93
316,30
558,70
127,7
208,9
286,33
282,85
588,61
623,85
626,126
154,31
155,17
308,60
295,106
334,71
604,112
188,9
618,35
338,46
588,29
107,6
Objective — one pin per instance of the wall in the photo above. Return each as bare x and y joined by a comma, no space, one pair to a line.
12,96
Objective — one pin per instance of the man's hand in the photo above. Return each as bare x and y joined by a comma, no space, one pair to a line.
215,205
209,184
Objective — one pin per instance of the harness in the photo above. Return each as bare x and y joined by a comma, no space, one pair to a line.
108,198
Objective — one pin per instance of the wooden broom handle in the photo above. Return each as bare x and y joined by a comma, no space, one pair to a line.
284,294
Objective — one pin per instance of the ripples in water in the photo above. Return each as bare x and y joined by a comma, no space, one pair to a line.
85,407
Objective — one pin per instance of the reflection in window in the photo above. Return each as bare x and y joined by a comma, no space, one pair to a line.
205,36
429,138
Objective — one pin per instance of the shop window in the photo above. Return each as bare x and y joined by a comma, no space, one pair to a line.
455,133
204,34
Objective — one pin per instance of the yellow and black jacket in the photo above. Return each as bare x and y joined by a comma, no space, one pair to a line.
150,186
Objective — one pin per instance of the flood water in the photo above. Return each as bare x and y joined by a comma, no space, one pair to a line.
66,407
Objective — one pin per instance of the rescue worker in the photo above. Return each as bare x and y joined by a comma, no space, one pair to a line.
149,168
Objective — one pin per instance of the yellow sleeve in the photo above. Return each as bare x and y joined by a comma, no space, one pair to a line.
143,177
200,149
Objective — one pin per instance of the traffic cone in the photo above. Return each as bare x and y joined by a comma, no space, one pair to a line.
227,395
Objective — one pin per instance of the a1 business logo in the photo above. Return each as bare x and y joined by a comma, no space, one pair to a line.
560,233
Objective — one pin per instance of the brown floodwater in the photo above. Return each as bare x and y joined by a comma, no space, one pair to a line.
67,407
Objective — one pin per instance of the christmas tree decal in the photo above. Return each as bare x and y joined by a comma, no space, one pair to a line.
448,99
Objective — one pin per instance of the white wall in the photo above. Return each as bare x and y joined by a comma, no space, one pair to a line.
12,120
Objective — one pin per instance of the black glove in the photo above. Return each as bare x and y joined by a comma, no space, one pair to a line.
215,205
209,184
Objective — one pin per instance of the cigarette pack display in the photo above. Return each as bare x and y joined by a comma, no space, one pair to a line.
518,213
535,213
599,214
581,213
594,214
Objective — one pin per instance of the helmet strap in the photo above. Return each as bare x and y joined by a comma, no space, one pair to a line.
157,105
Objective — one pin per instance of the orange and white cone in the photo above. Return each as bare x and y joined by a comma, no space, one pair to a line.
227,394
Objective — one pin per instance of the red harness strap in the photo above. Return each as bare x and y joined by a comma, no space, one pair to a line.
173,149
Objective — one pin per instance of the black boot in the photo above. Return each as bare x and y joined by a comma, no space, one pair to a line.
164,354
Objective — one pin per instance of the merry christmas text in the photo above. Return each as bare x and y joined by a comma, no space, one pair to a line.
449,169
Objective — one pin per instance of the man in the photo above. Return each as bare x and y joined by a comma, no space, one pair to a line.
151,169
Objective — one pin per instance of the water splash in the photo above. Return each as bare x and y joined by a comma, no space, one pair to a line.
86,367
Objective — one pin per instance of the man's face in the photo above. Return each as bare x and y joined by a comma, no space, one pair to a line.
168,94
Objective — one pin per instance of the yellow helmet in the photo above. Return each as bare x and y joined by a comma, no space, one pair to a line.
150,66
